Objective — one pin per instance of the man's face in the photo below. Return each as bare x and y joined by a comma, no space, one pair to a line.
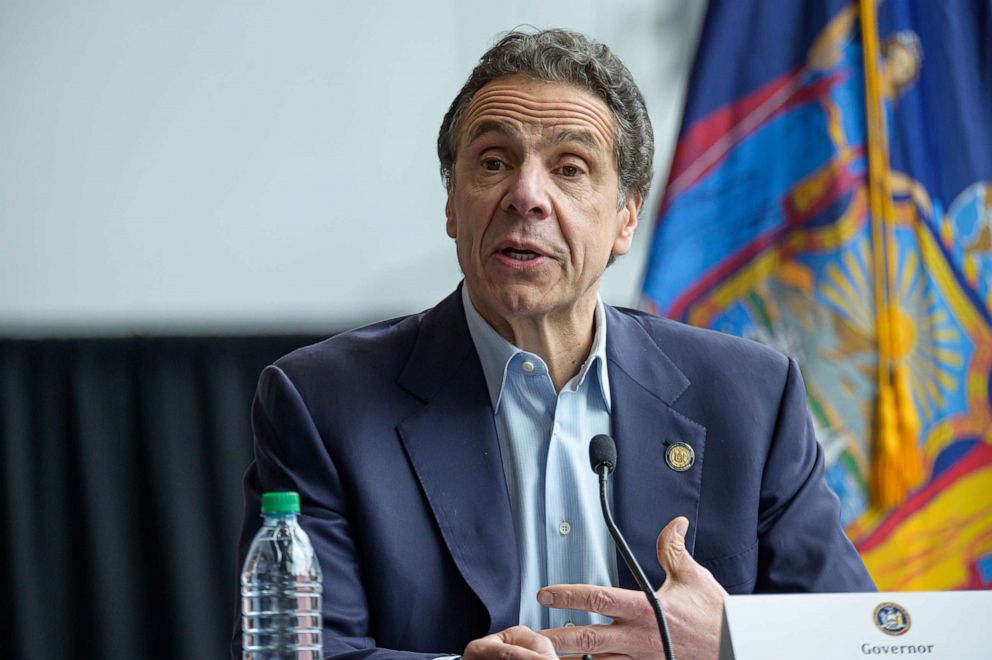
533,201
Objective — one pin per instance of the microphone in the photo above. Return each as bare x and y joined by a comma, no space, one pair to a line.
603,459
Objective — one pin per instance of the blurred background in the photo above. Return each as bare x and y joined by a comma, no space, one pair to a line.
237,166
189,190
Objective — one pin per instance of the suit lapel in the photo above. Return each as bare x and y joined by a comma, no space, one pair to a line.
645,385
451,443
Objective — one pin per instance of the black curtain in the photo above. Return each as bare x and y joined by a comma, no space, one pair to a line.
121,464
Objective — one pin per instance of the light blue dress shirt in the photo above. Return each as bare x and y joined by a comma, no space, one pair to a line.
544,443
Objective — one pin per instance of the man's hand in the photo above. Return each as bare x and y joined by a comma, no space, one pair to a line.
691,597
517,643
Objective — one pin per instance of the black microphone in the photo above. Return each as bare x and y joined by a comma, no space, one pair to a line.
603,458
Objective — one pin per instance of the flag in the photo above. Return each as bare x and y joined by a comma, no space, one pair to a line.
831,196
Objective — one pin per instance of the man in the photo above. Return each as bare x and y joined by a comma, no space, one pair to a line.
441,458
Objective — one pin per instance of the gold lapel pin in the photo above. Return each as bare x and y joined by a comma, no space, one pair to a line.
680,456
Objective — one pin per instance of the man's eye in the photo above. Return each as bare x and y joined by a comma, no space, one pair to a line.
570,170
492,164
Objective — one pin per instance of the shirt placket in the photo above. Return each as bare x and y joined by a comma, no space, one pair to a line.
563,537
533,386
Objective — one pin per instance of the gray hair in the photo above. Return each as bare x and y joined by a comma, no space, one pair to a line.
567,57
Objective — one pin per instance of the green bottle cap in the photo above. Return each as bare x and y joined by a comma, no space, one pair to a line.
281,502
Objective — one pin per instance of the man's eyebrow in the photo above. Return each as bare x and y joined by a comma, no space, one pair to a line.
491,127
586,138
583,137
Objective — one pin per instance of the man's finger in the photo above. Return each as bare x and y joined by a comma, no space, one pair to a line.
517,643
492,647
672,553
524,637
596,639
609,601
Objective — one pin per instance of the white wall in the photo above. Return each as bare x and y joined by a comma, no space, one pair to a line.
260,166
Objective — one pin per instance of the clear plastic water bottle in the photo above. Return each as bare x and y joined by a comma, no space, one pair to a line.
281,587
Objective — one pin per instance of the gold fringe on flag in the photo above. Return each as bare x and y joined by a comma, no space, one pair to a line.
897,465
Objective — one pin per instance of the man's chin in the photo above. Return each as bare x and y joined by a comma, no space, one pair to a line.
515,300
523,298
525,302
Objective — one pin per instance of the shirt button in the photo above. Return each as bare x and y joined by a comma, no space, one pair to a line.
564,528
557,428
527,366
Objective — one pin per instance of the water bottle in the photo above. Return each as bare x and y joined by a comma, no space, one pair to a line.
281,587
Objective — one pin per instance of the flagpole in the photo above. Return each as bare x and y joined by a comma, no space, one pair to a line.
896,463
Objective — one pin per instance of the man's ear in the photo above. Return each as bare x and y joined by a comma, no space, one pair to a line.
627,219
449,213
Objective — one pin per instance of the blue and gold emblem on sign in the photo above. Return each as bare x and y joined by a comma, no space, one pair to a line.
892,619
680,456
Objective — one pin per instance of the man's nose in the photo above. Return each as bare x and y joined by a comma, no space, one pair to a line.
528,195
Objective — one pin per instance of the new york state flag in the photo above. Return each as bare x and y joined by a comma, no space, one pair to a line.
831,196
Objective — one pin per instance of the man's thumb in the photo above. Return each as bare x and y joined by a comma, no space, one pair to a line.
672,554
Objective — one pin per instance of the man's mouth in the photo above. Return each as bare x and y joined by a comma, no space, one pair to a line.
520,255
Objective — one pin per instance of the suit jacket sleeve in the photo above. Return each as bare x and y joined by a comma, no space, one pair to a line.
802,546
290,455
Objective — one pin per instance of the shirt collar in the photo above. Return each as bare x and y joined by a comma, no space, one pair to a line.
495,352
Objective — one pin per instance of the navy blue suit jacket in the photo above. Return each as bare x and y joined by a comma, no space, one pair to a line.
387,433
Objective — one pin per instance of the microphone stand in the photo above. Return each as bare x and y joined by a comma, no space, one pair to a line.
603,471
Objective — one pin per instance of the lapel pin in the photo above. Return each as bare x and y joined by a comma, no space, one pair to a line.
680,456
